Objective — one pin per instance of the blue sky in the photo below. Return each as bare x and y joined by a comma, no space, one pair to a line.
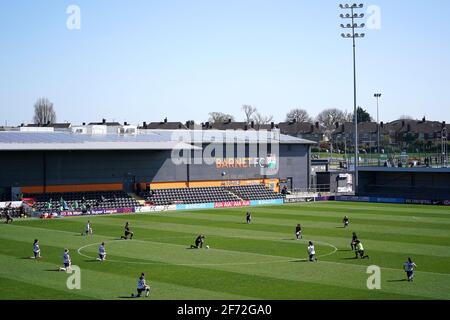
143,60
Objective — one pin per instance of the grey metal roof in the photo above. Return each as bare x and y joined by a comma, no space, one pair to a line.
240,136
144,140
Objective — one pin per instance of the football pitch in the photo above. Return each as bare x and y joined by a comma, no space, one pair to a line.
261,260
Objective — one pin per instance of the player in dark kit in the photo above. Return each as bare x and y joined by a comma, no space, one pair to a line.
8,217
345,221
198,242
127,232
298,232
353,243
248,217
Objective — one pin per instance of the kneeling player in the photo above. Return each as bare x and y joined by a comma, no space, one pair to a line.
8,217
346,221
312,252
141,287
127,232
354,240
102,252
198,242
360,250
410,266
298,232
36,249
67,261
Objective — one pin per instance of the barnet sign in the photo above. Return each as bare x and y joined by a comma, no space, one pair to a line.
267,162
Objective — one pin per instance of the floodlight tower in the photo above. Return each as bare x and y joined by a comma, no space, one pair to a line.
353,16
444,146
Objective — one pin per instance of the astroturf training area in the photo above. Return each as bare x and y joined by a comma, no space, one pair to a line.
257,261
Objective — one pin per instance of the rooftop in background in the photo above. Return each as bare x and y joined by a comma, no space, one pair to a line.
142,140
64,125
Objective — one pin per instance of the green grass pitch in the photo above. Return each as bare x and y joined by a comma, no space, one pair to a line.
257,261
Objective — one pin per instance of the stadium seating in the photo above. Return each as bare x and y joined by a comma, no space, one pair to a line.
189,195
256,192
92,200
208,194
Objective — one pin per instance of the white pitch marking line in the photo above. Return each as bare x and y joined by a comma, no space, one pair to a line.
335,249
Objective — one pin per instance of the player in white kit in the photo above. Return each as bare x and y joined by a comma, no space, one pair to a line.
67,261
312,252
141,287
36,250
88,229
101,252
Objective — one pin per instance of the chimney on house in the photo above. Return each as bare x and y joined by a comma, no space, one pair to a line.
103,121
84,123
144,124
229,120
165,120
125,123
272,125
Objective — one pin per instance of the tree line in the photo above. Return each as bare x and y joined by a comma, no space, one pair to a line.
44,114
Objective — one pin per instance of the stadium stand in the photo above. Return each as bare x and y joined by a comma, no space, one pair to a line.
91,200
255,192
208,194
188,195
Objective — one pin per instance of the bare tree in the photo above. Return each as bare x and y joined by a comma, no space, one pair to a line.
220,117
329,117
44,112
299,115
249,112
261,119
